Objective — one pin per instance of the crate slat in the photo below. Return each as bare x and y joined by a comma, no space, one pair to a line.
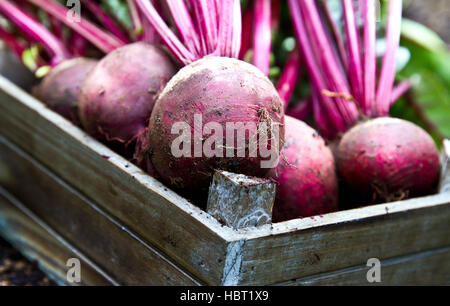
39,243
428,268
76,218
344,239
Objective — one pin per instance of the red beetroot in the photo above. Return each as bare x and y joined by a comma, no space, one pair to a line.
221,90
306,174
118,95
60,94
388,159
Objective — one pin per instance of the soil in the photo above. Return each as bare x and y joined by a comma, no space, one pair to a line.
15,270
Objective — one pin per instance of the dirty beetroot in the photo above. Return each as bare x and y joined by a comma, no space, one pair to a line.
61,88
306,178
221,90
118,95
388,159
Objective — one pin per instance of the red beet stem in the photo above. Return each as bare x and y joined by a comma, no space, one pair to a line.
169,38
12,42
206,16
387,75
354,50
312,65
289,77
247,32
337,33
99,38
136,20
230,28
35,31
185,25
105,20
401,89
263,35
370,57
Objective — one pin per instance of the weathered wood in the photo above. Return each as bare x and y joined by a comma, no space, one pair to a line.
123,255
309,246
239,201
430,268
181,230
39,243
445,179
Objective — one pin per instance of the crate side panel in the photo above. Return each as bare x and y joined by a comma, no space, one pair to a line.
126,258
430,268
183,231
32,240
278,258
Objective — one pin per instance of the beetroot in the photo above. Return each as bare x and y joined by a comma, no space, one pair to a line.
381,159
221,90
60,89
306,175
118,95
388,159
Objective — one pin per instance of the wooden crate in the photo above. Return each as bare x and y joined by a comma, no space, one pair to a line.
63,195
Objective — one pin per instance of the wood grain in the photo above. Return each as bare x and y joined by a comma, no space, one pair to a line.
175,226
430,268
39,243
301,248
125,257
444,186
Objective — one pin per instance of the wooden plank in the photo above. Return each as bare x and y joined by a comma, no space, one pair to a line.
184,232
39,243
116,249
239,201
445,177
309,246
430,268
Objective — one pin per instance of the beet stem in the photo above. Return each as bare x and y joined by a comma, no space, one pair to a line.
328,61
136,20
35,31
401,89
247,32
302,110
105,20
354,47
289,77
12,42
337,34
263,35
370,57
168,37
99,38
313,67
206,16
185,26
387,75
230,28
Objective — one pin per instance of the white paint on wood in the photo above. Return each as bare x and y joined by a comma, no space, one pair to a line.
239,201
233,261
445,179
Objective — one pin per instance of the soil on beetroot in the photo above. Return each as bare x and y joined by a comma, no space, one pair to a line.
15,270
